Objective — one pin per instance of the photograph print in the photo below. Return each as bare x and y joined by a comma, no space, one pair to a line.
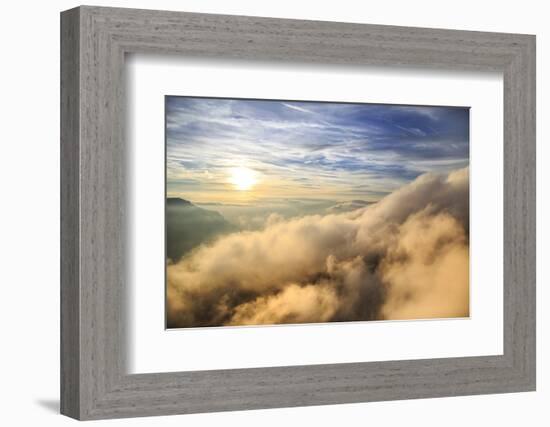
292,212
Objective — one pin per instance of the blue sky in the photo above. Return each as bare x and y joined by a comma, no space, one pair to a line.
306,150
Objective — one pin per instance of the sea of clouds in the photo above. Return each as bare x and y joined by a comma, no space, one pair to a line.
404,257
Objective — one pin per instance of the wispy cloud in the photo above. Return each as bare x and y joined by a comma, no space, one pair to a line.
297,108
297,146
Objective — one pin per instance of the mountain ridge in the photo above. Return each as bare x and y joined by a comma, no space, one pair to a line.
189,226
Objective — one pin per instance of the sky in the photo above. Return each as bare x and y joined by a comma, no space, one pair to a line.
252,152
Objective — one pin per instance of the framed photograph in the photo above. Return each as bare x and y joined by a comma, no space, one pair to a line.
262,213
288,212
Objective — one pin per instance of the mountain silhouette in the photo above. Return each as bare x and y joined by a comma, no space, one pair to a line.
348,206
188,226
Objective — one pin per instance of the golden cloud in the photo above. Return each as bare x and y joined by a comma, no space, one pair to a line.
404,257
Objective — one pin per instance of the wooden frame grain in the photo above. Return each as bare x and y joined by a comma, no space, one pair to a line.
94,382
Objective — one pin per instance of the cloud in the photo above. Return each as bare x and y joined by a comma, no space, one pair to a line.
330,145
297,108
347,206
404,257
294,304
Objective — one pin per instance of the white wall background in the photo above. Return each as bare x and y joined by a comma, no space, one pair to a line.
29,236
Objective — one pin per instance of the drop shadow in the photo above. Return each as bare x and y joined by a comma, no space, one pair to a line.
51,405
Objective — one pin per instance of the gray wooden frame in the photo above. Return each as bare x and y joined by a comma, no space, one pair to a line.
94,382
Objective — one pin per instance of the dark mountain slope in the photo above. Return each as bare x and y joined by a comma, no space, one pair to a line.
188,226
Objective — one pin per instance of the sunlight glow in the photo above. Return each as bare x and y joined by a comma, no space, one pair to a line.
242,178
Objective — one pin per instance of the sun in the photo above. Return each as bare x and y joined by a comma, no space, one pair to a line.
242,178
